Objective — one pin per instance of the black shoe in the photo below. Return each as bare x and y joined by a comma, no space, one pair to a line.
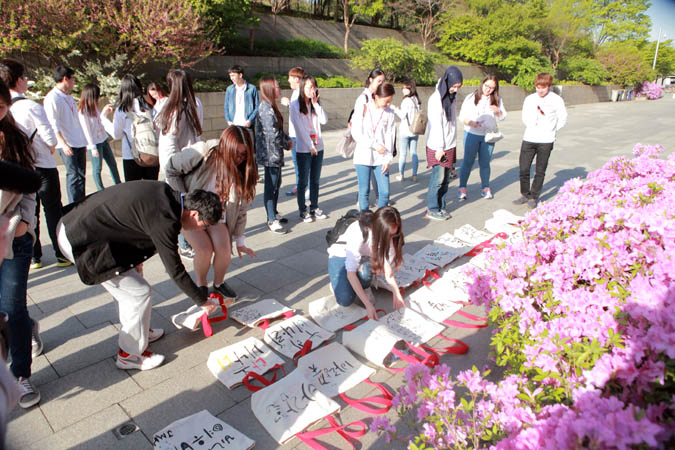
531,203
224,290
520,201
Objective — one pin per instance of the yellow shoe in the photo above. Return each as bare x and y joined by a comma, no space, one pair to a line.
35,264
62,262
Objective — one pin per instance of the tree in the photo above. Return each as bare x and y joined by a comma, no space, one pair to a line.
496,33
665,61
161,30
424,17
398,61
625,63
351,9
566,22
276,7
620,20
221,18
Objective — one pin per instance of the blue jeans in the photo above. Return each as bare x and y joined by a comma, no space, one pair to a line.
343,290
76,170
13,286
309,166
363,173
105,152
408,143
438,187
476,145
49,195
271,194
295,159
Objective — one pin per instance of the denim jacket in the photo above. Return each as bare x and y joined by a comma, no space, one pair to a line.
250,103
270,138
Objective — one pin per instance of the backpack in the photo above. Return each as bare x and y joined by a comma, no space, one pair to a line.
145,148
418,124
341,226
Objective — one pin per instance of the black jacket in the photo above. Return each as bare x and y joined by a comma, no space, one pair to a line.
118,228
270,138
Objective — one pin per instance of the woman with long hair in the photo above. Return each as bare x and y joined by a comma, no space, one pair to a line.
270,143
479,114
130,101
228,168
374,132
409,105
15,147
97,138
307,116
180,120
372,245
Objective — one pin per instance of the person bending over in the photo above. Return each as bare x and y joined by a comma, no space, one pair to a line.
110,234
370,246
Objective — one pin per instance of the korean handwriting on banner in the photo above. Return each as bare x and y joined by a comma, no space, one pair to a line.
207,439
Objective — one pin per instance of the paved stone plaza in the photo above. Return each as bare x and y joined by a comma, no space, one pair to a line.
84,395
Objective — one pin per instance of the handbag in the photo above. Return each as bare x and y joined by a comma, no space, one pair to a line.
493,135
346,145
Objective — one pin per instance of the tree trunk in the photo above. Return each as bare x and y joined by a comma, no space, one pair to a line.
251,38
348,28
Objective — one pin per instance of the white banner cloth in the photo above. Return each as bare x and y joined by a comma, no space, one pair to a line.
200,430
252,315
231,364
289,336
333,317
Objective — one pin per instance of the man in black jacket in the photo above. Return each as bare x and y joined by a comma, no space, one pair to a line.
109,235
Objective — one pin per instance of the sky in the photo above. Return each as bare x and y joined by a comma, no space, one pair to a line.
662,13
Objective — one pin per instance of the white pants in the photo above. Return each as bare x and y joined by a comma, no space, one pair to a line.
134,299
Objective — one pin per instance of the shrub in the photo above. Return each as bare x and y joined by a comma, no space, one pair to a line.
651,90
299,47
583,309
527,70
585,70
625,63
397,60
337,81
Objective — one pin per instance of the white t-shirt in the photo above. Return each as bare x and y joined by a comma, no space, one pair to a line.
480,113
351,246
543,117
239,105
30,116
62,114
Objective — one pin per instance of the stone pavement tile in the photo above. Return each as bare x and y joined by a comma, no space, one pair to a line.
309,262
270,276
59,327
78,395
60,295
185,349
94,432
241,417
185,394
41,371
313,238
95,310
25,426
84,348
298,295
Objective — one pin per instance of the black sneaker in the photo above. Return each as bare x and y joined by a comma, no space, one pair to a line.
532,203
520,201
35,263
224,290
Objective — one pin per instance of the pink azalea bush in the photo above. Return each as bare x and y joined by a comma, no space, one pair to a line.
651,90
584,316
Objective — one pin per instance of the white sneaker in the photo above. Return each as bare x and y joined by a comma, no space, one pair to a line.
35,341
146,361
29,394
306,217
276,227
155,334
319,214
399,177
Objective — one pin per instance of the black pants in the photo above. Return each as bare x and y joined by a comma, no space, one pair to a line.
133,172
49,195
528,150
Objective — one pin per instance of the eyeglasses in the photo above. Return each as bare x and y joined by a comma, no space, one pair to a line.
492,88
